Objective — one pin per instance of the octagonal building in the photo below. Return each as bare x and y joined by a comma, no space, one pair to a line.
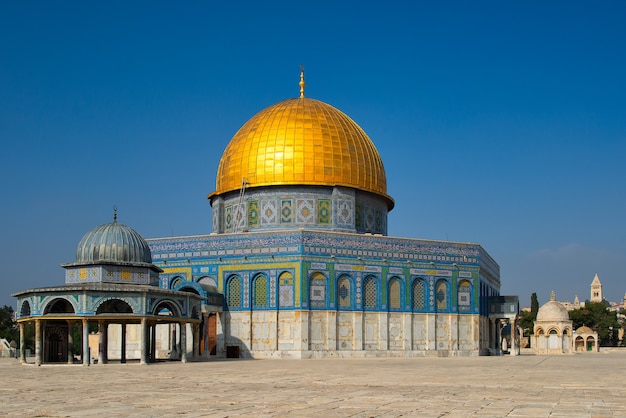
299,250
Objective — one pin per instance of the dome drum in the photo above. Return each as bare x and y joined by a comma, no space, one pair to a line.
313,207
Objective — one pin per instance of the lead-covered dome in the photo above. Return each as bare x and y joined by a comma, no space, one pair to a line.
552,311
301,141
113,242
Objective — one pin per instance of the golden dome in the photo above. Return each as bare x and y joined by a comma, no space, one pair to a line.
301,141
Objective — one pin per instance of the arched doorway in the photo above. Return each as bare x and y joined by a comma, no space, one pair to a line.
55,343
579,344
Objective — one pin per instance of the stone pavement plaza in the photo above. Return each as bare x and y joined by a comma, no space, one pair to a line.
581,385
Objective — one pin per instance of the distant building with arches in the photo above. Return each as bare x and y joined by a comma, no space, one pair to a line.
586,339
552,329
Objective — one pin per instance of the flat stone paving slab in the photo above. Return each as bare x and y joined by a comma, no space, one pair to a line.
580,385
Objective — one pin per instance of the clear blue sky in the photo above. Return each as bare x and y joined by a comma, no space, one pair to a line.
502,124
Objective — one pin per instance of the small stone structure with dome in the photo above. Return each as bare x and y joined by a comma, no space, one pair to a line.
553,329
585,340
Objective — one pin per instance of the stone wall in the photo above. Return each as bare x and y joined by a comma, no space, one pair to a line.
303,334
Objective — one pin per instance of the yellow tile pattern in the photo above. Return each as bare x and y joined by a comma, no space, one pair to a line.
301,142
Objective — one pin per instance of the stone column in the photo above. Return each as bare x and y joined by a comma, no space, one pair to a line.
105,343
123,344
183,342
144,341
196,340
174,347
153,342
70,342
513,348
220,348
22,347
85,342
206,353
38,337
101,342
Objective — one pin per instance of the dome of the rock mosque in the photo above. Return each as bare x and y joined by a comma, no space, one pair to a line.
113,242
301,141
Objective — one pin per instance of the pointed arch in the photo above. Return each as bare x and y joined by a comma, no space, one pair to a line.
394,294
260,292
285,289
317,290
418,295
167,307
114,306
25,309
345,292
370,293
176,281
234,292
441,296
464,296
59,305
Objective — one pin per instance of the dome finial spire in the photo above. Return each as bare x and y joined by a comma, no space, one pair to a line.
302,83
114,213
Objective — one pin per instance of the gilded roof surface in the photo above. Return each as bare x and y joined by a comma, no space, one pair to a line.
301,141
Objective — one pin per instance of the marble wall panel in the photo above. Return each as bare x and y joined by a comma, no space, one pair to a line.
396,331
345,331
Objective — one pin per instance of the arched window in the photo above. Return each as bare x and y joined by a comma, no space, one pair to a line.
260,292
58,305
175,282
317,290
233,291
419,295
370,297
25,311
344,293
285,289
464,296
394,294
115,306
208,281
441,295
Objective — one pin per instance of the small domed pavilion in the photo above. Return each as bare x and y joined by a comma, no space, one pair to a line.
112,282
553,329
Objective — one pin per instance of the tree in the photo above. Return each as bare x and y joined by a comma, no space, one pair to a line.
534,304
527,318
527,322
597,316
8,326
